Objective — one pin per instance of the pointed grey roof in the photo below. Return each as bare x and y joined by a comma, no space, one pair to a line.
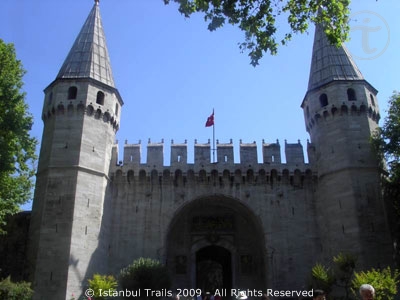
88,57
330,63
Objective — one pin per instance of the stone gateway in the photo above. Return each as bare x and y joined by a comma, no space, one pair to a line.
216,226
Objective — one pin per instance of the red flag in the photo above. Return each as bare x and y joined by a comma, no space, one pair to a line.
210,120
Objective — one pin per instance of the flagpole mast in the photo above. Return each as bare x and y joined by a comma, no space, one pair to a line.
213,141
210,122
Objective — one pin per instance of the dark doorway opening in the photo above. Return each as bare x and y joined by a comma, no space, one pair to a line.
213,269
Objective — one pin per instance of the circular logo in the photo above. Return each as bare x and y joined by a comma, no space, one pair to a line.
89,293
370,35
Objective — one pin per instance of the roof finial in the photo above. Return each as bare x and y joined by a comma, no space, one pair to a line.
97,2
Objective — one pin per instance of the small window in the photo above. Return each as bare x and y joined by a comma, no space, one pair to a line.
116,109
100,98
323,100
372,99
72,92
351,95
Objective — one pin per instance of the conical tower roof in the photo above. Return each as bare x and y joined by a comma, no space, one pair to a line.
330,63
88,57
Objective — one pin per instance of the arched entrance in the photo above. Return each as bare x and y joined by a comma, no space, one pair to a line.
216,237
213,268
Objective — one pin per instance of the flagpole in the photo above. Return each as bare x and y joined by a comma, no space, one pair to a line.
210,122
213,141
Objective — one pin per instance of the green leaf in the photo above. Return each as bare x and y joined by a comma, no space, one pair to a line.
17,147
257,20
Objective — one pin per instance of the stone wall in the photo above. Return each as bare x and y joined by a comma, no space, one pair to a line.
272,207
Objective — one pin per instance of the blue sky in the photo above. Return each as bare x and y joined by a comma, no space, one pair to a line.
171,71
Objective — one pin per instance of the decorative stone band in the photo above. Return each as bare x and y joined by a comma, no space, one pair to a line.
71,109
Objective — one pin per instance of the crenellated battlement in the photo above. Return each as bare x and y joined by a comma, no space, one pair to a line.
271,159
257,211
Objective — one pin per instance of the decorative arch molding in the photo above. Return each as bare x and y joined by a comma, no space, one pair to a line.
72,109
224,178
186,234
345,110
227,200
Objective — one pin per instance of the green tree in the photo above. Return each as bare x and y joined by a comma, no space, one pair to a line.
145,273
387,144
322,278
341,278
103,282
17,148
337,276
15,290
258,19
384,282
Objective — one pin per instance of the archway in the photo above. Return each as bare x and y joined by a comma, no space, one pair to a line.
213,268
220,236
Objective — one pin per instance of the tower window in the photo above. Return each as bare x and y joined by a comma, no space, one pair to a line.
372,99
100,98
323,100
72,92
116,109
351,95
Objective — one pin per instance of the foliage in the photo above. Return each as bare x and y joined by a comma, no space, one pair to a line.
322,278
145,273
103,282
17,148
258,19
344,270
387,144
383,281
15,291
342,278
338,275
344,267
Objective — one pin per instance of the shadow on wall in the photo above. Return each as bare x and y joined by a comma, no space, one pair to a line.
13,247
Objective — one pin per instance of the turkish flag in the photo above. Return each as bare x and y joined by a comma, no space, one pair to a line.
210,120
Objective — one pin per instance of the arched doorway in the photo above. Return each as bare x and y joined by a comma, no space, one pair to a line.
216,236
213,268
